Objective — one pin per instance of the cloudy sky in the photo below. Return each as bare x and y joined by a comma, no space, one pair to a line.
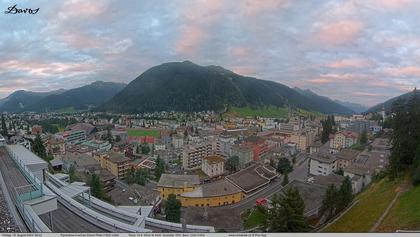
362,51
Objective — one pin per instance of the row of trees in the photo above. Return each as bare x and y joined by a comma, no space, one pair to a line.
336,200
406,137
285,214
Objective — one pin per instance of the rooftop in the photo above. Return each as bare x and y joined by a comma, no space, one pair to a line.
347,154
219,188
116,157
178,181
323,157
248,179
214,159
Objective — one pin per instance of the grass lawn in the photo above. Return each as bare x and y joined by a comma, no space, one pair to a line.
306,113
143,133
372,203
405,214
254,219
66,110
60,129
268,112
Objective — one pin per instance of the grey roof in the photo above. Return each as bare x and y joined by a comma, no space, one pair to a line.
56,162
328,179
178,181
357,169
219,188
25,156
323,157
311,193
347,154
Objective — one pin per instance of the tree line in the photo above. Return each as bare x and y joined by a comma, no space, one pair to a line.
405,154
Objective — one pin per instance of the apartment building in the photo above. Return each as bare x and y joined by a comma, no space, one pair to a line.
322,164
192,155
342,140
245,154
115,163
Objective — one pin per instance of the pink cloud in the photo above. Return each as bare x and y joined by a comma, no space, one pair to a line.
252,7
243,70
239,51
408,71
82,8
394,4
340,32
49,69
190,40
350,63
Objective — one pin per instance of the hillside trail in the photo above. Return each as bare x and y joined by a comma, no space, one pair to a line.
403,187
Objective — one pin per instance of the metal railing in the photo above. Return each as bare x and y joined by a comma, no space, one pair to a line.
32,220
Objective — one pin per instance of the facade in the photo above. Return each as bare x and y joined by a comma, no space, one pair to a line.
259,146
56,145
224,145
177,141
303,138
322,164
100,146
74,137
193,155
214,194
245,154
346,157
360,176
213,166
115,163
342,140
176,184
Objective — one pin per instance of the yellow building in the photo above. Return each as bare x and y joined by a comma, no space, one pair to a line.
176,184
115,163
213,165
214,194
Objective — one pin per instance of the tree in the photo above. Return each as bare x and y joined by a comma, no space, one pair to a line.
96,187
38,147
72,173
117,138
340,171
4,132
130,178
329,202
142,176
327,129
285,179
145,149
232,164
286,214
284,166
109,137
173,209
345,194
160,168
406,134
363,137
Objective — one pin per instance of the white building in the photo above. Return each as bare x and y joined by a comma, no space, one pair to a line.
322,164
177,141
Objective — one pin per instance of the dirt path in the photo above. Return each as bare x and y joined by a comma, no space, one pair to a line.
404,187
